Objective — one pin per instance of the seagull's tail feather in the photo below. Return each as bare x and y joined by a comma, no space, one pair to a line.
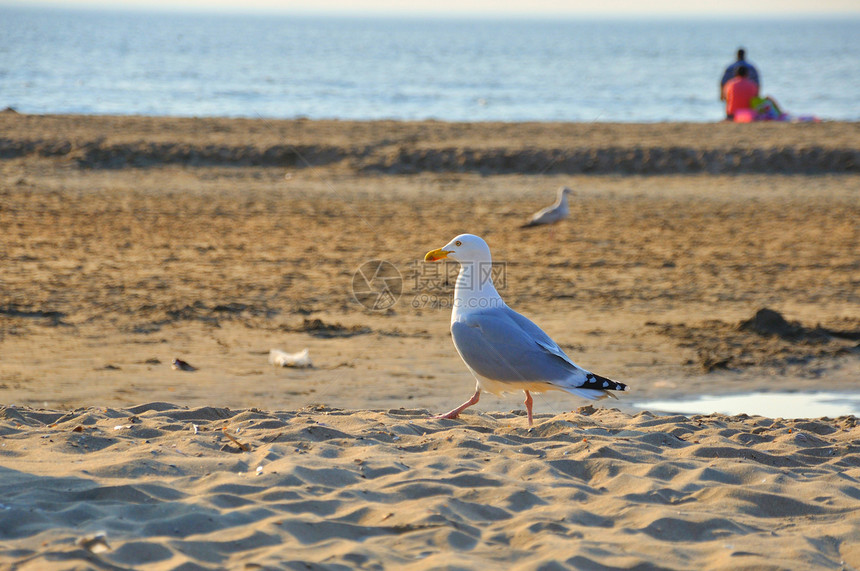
596,387
530,224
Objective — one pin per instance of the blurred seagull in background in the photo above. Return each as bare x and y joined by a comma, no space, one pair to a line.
552,214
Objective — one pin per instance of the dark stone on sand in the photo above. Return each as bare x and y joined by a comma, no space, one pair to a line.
768,322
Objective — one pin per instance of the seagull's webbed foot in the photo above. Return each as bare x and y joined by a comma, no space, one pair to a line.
456,412
528,403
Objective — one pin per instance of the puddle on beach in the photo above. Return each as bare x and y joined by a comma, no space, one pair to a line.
773,405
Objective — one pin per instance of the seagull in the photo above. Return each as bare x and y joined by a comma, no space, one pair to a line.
552,214
504,350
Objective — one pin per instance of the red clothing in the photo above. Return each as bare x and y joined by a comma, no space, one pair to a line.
739,93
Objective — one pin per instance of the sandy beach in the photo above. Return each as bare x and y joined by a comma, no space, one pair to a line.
128,242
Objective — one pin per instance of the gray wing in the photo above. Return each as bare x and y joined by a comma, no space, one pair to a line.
548,215
496,346
579,377
541,338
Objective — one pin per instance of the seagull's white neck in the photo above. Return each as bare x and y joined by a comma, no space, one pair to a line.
562,201
474,289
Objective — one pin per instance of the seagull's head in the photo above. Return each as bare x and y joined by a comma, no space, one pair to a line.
464,248
565,191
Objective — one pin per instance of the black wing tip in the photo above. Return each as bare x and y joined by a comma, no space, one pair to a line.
593,381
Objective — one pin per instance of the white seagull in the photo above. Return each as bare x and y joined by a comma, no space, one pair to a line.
504,350
552,214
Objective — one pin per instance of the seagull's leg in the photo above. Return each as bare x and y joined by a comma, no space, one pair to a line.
529,402
456,412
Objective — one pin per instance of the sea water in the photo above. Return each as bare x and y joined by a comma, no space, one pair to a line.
103,62
770,404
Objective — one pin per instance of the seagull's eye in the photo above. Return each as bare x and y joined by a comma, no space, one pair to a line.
458,243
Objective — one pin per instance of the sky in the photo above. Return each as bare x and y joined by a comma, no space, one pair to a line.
534,8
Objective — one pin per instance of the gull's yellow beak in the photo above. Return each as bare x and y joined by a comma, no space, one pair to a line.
437,255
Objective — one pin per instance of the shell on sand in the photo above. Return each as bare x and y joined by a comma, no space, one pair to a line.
280,358
180,365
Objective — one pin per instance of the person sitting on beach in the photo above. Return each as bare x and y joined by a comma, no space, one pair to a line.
731,72
739,92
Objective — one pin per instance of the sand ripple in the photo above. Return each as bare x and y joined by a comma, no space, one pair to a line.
397,147
326,489
404,160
